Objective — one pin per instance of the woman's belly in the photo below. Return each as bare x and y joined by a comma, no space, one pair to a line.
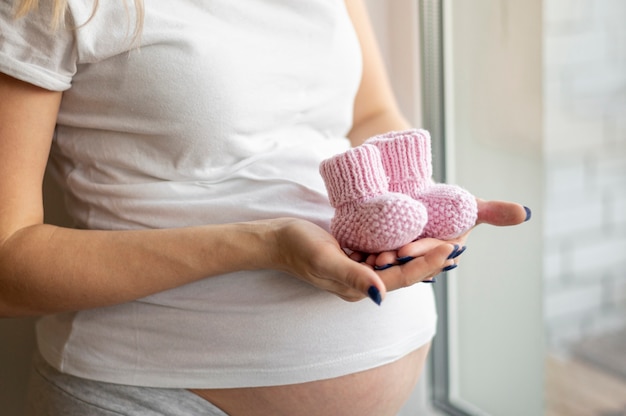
380,391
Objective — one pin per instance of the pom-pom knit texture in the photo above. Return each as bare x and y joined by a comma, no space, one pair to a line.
368,217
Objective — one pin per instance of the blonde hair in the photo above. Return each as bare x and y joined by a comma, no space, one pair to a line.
59,7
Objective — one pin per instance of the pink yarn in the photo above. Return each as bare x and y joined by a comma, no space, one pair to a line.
368,217
407,159
452,211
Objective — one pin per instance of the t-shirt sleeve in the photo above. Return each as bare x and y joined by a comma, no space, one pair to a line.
31,51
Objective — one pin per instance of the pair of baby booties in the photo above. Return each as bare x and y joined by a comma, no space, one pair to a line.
384,195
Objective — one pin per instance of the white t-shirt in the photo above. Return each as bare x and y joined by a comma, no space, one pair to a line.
222,114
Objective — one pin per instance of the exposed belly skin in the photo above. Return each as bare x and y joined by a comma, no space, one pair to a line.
380,391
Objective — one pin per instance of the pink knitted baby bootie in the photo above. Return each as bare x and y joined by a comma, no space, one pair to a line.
368,217
407,159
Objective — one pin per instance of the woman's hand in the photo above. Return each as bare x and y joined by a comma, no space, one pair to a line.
496,213
313,255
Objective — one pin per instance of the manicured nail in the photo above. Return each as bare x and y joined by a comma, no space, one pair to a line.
450,267
456,248
430,281
374,295
528,213
383,267
458,252
405,259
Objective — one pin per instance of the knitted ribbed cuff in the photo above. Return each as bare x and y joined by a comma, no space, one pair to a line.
354,175
406,158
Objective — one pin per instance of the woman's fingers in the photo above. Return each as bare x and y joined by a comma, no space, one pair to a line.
329,268
404,254
501,213
352,281
419,247
419,268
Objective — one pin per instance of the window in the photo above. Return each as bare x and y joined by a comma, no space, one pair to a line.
481,99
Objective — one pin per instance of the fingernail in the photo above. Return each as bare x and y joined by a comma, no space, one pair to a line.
459,252
383,267
430,281
456,248
374,295
405,259
528,213
450,267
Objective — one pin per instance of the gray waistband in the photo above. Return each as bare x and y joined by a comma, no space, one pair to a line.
52,393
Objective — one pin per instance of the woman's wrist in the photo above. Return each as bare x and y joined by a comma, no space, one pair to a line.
253,245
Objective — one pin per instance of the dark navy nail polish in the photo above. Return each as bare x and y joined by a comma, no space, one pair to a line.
374,295
383,267
456,248
458,252
405,259
433,280
529,213
450,267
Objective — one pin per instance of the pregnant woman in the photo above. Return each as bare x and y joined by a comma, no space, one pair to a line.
199,276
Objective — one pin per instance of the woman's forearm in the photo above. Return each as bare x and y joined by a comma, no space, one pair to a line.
378,123
375,108
46,269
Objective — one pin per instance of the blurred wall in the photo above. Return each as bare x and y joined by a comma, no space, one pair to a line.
17,342
585,158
